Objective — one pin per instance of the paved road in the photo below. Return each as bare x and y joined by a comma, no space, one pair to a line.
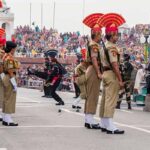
41,127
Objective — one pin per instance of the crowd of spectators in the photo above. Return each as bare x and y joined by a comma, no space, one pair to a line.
33,42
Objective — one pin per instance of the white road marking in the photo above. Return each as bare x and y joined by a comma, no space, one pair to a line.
41,126
133,127
126,111
28,99
119,124
3,149
142,126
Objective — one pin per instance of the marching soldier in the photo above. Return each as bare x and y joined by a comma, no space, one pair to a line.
93,73
81,82
47,88
10,83
112,80
55,76
126,69
76,87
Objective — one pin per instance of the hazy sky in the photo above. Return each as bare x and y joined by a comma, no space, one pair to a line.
69,13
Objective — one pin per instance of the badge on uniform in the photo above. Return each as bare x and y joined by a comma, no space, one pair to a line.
95,48
114,53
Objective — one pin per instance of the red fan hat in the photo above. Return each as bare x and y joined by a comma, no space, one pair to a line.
91,21
2,40
111,22
2,32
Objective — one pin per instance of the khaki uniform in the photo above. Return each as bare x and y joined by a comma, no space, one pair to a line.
81,80
1,83
9,94
1,93
93,82
110,93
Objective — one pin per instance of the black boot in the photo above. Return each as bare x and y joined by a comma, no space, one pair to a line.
118,105
129,106
60,103
92,126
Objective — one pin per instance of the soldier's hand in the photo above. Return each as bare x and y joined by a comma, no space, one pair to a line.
99,75
121,84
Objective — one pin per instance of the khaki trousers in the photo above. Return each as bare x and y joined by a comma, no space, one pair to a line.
1,93
93,91
110,94
9,103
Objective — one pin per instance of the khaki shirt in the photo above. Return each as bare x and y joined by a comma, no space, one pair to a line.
80,70
113,52
10,62
95,49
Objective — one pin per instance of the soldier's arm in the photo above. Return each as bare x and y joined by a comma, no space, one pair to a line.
95,64
116,70
114,62
94,55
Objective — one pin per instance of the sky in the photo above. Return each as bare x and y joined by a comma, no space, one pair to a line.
70,13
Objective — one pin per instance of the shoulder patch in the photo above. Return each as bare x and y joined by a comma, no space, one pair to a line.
114,53
94,48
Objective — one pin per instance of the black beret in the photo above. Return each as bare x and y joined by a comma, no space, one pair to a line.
52,53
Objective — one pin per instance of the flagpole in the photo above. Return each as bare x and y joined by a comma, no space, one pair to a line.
54,14
30,13
41,16
83,13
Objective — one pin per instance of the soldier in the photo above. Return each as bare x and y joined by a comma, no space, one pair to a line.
76,87
10,84
55,76
47,88
126,70
2,44
112,80
93,73
81,82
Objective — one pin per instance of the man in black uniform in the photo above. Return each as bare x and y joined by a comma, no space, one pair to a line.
55,76
47,87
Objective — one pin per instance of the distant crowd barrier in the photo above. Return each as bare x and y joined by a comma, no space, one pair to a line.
35,84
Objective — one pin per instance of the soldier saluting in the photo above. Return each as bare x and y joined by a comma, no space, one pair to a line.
112,80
